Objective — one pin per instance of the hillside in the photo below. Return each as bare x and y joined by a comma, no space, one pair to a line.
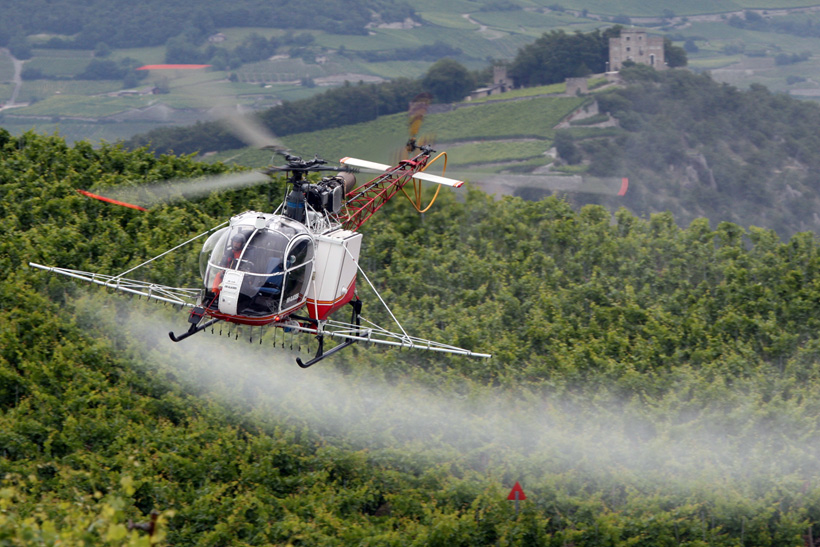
651,384
83,25
688,144
77,56
700,148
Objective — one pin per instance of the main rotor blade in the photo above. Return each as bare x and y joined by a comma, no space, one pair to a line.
249,129
167,191
243,127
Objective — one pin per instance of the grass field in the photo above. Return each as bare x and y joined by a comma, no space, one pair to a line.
478,153
82,106
773,77
6,77
6,67
58,62
742,70
525,92
43,89
80,131
145,55
533,23
5,92
452,6
448,20
398,69
47,53
525,118
290,70
377,41
500,132
640,8
718,34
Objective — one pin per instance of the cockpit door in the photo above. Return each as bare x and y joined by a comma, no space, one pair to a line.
231,288
298,271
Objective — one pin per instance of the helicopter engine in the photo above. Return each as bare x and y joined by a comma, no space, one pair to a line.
325,196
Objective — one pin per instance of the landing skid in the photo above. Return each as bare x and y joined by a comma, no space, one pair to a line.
321,355
197,314
194,319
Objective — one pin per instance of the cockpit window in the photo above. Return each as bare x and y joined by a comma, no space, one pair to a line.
263,252
277,261
299,267
300,253
214,241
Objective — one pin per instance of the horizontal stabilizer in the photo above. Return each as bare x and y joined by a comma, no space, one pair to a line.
364,164
438,179
381,167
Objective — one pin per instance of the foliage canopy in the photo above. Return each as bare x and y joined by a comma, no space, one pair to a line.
679,337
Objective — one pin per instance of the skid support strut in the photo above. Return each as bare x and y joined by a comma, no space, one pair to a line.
320,353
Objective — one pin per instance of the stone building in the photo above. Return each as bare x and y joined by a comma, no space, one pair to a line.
635,45
501,84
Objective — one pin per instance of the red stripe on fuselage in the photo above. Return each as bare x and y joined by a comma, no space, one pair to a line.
326,307
247,320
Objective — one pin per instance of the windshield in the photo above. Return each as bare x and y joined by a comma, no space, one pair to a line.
277,262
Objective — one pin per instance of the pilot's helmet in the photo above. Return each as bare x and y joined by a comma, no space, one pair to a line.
238,241
291,260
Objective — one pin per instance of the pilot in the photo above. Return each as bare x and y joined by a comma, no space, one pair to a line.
231,257
273,284
229,260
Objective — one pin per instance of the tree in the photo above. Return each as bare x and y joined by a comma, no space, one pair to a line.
102,69
102,50
180,50
690,46
448,81
675,56
566,148
20,48
558,55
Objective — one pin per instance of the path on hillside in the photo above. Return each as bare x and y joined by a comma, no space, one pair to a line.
17,80
489,33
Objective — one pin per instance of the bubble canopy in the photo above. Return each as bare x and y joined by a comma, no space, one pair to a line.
274,256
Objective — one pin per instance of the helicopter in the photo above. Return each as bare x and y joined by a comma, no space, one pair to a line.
293,269
296,267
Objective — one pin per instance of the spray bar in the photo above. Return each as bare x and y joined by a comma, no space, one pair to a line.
172,295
